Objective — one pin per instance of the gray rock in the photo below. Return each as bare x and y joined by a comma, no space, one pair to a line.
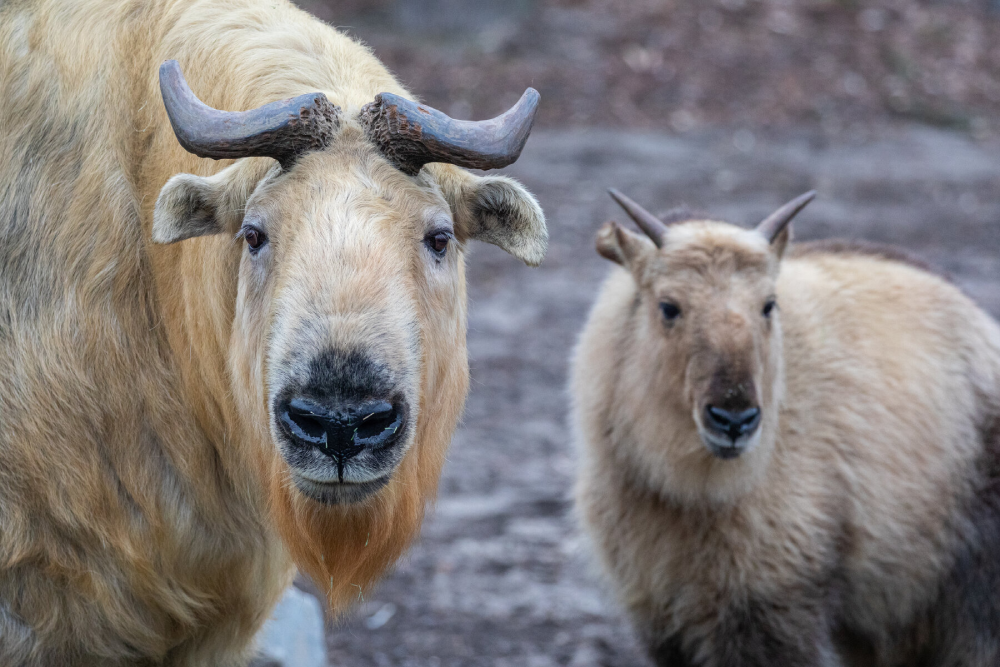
293,637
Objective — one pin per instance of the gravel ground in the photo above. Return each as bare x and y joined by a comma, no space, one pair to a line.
500,575
844,66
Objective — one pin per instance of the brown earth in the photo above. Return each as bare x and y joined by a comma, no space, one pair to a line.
842,65
500,575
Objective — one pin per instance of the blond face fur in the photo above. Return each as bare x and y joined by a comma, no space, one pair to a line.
707,323
153,503
345,285
860,528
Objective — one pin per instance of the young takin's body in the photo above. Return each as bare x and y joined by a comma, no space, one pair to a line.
790,458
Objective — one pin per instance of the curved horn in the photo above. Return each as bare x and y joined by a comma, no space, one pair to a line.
410,135
649,223
282,130
772,225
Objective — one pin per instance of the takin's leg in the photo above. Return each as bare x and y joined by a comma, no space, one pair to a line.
964,628
792,630
668,653
16,639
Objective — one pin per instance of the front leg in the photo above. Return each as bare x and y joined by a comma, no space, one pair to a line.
791,631
751,634
668,653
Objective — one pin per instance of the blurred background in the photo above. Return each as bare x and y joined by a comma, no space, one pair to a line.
891,109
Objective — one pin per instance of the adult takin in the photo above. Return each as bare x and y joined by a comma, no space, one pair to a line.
790,453
214,371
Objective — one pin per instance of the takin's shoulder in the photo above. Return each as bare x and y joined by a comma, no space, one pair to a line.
887,282
878,306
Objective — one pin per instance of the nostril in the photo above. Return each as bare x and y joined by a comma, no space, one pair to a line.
747,419
305,420
343,431
733,423
718,417
378,424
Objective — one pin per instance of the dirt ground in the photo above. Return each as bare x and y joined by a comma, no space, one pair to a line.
731,112
844,66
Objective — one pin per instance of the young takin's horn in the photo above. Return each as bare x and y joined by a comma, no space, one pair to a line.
410,135
649,223
772,225
282,130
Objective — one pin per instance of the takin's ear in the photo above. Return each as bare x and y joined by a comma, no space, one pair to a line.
621,246
190,206
497,210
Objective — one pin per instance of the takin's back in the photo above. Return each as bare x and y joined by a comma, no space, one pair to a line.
892,381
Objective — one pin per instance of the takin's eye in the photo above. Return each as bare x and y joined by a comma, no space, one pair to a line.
769,307
254,237
437,243
671,311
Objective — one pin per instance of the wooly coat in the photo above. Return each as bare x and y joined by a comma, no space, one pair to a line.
156,392
790,454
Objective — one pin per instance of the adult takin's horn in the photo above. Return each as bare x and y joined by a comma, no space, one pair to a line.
649,223
772,225
410,135
282,130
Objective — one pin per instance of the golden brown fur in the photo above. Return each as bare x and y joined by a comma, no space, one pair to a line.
862,527
147,516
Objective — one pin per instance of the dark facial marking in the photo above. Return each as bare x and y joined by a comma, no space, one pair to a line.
347,377
347,413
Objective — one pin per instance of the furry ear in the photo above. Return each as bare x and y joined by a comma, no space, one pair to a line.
621,246
186,208
191,206
497,210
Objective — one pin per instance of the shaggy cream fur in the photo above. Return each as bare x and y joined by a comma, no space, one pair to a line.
147,515
862,524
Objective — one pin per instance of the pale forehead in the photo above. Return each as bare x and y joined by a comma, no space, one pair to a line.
706,247
355,180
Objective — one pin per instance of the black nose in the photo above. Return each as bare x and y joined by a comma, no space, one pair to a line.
732,423
343,431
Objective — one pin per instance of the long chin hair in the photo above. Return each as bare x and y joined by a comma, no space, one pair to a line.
346,548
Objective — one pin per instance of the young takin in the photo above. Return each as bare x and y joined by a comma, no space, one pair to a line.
790,453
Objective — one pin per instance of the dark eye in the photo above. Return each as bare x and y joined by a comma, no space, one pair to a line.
438,242
254,238
670,311
768,307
